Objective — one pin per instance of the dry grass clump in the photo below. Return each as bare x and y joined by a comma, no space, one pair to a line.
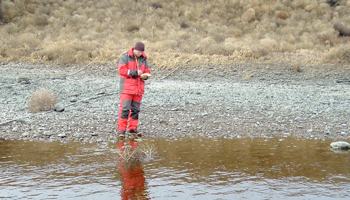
42,100
296,68
68,31
249,15
67,51
143,151
11,9
340,54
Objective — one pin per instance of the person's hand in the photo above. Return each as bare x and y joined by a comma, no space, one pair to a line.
133,73
145,76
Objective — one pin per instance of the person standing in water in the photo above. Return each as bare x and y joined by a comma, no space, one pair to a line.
133,71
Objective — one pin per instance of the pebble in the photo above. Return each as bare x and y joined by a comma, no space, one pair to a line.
25,134
62,135
94,134
59,108
47,133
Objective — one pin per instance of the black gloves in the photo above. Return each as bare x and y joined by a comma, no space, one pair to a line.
133,73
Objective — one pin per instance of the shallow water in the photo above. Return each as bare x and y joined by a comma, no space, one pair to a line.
182,169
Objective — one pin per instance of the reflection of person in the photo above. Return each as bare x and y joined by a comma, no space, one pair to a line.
133,71
131,176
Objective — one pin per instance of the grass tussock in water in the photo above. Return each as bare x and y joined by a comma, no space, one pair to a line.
175,32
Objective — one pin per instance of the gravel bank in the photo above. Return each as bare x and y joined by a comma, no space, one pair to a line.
242,100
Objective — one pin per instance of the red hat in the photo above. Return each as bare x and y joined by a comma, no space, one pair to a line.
139,46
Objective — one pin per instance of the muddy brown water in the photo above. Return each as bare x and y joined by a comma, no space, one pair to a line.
193,168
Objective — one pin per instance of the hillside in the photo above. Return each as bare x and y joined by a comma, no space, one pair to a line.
176,32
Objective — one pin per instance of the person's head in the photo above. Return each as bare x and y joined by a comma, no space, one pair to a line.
139,48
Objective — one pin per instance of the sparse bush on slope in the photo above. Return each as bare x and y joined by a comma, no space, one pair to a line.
99,31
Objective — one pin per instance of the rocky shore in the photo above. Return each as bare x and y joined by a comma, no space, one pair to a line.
231,101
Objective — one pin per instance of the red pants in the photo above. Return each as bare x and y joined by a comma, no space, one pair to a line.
129,108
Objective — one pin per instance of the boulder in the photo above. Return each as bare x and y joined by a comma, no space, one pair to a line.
340,145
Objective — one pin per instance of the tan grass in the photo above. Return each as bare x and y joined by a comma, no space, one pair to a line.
340,54
99,31
42,100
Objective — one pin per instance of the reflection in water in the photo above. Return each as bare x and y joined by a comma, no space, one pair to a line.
131,173
194,168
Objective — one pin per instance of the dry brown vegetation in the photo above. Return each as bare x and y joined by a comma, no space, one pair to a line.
175,31
42,100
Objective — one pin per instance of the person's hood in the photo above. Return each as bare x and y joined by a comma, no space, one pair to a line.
131,53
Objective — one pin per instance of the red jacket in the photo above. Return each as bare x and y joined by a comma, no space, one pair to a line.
126,64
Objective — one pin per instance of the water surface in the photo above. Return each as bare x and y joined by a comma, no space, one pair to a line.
182,169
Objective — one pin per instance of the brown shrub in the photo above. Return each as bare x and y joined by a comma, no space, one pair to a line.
268,44
132,28
156,5
184,25
42,100
248,15
208,45
342,29
9,10
282,15
339,54
41,20
327,37
296,68
66,51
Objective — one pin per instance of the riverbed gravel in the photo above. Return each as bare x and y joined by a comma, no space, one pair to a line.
231,101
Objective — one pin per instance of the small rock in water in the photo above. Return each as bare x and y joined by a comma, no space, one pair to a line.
59,108
340,145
